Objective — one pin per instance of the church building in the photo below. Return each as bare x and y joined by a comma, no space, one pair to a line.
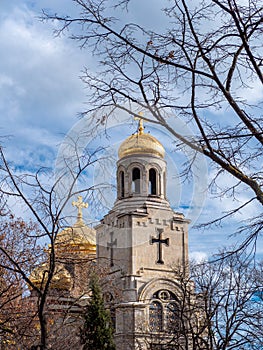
143,242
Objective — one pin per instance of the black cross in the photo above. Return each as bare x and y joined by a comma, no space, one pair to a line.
110,246
160,241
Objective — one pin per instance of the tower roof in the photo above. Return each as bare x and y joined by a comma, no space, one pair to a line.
60,280
75,242
141,143
79,238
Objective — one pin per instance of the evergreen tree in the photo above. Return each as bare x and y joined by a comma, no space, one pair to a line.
97,333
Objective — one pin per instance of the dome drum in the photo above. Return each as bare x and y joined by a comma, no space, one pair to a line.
145,178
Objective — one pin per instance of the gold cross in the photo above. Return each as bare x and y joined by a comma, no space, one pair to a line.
141,127
80,205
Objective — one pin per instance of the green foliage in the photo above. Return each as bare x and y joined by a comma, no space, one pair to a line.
97,333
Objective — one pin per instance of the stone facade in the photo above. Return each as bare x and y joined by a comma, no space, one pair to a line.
142,246
142,240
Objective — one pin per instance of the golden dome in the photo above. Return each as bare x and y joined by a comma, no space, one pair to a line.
141,143
61,278
78,239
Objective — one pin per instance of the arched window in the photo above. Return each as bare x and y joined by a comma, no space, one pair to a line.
164,312
121,184
156,317
163,182
136,177
113,318
172,317
152,182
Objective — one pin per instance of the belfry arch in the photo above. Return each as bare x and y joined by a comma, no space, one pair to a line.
136,180
153,185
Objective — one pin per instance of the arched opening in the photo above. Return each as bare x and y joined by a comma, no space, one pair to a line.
136,177
155,317
121,178
172,317
164,184
152,182
164,312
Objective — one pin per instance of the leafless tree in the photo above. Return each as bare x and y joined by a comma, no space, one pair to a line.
220,306
205,63
18,251
224,310
43,198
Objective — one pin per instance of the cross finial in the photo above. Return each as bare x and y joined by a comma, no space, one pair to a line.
141,127
80,205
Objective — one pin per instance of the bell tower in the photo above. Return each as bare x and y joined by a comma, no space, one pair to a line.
141,240
141,172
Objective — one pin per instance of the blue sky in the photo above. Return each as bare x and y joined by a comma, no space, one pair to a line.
40,98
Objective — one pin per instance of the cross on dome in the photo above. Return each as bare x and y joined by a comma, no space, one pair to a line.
141,143
141,127
80,205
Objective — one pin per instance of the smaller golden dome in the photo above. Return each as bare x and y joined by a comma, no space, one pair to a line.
76,239
76,235
79,238
61,278
141,143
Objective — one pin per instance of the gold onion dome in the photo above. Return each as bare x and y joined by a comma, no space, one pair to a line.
79,238
60,280
141,143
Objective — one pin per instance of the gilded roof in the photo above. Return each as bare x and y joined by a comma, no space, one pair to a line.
141,143
60,280
79,237
76,235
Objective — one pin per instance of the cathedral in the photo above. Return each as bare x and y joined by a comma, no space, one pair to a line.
141,242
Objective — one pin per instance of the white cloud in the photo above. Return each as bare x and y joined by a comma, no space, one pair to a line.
198,256
40,94
221,204
40,90
253,93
